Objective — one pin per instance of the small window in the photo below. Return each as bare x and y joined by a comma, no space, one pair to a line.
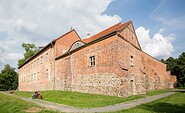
92,61
32,65
131,60
41,59
31,77
38,61
46,57
38,76
35,77
47,73
77,44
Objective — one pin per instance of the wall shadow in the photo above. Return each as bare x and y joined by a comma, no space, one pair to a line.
164,108
179,90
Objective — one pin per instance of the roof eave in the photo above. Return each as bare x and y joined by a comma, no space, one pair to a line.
48,45
87,44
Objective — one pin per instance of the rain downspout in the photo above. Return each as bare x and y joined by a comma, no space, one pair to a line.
54,66
71,74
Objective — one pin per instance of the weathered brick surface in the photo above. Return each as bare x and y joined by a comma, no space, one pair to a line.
32,76
106,77
121,67
39,73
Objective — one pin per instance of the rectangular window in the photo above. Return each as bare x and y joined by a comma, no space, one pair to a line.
38,62
47,73
34,76
131,60
41,60
92,61
27,78
31,77
38,76
46,57
32,65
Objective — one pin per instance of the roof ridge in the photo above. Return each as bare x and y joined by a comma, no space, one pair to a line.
65,34
102,33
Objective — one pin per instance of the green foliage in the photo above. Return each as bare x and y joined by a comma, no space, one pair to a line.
177,67
30,49
8,78
170,63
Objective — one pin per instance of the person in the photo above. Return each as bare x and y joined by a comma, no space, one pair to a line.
35,95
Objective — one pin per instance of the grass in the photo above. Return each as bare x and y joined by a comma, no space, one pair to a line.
150,93
84,100
172,104
10,104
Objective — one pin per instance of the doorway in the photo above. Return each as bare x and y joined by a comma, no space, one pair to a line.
132,87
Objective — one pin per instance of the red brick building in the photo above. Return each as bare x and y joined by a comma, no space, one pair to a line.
110,62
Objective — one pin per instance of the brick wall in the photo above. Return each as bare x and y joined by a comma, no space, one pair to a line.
157,77
121,67
107,76
38,73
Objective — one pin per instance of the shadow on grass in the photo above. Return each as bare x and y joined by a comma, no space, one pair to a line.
180,90
165,108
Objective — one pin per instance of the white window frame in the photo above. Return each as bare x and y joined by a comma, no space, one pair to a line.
92,60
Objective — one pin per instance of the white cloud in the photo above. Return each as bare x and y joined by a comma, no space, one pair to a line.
157,46
41,21
177,22
161,30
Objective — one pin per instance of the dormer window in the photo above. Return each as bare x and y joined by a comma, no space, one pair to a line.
77,45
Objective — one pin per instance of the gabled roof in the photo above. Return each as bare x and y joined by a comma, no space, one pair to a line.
116,27
113,30
68,33
48,45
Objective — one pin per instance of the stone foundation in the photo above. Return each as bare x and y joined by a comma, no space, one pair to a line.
108,84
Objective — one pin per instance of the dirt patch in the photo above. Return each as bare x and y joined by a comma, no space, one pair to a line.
33,110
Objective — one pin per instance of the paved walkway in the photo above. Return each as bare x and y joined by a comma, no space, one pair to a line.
116,107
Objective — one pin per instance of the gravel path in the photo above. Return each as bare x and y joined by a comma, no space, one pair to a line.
116,107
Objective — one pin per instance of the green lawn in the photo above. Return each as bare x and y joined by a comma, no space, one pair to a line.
10,104
172,104
84,100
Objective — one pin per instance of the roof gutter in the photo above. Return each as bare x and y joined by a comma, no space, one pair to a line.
50,44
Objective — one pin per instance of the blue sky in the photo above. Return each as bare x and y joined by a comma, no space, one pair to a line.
154,15
159,24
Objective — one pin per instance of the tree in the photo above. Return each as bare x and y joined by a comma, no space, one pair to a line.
180,69
30,49
170,63
8,78
177,67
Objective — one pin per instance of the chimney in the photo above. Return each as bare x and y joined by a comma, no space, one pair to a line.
88,35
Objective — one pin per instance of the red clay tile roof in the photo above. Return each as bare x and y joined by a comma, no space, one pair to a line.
116,27
122,26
